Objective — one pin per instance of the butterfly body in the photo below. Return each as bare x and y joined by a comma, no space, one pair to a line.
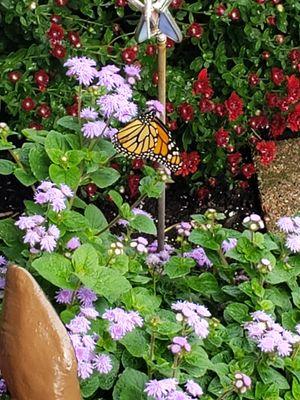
148,138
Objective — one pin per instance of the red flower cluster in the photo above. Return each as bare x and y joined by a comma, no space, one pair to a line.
259,122
294,119
56,34
203,85
186,111
133,184
222,138
41,78
278,125
277,76
248,170
234,106
195,30
190,162
267,151
137,163
129,55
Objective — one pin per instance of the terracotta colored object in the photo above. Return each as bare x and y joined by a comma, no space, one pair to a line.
37,359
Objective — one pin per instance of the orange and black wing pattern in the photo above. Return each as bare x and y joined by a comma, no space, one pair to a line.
147,137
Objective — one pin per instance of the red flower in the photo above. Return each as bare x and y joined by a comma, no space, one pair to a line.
259,122
175,4
90,189
56,32
195,30
278,125
293,88
28,104
44,111
74,39
129,55
115,166
137,163
248,170
186,111
202,193
41,78
277,76
253,79
172,125
267,151
14,76
234,159
220,110
294,56
169,108
170,43
294,119
234,106
272,99
151,50
133,184
206,105
59,51
190,162
72,110
203,85
36,125
222,137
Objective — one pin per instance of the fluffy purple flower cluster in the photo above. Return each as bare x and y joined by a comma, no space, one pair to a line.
270,336
194,315
83,341
291,226
122,322
242,382
198,254
36,235
81,68
179,345
3,270
116,105
155,106
73,243
228,244
140,244
135,211
3,387
167,389
48,193
133,74
184,229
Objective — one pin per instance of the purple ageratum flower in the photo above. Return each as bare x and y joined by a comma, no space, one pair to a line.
160,389
155,106
89,312
89,342
193,388
133,70
109,132
140,244
102,363
117,106
94,129
85,369
24,223
89,113
125,91
179,395
47,193
199,256
3,387
228,244
53,231
66,190
79,324
86,296
293,243
64,296
109,77
122,322
73,243
3,261
48,243
179,344
286,224
184,229
82,68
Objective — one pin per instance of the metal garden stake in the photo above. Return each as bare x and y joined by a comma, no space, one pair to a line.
156,20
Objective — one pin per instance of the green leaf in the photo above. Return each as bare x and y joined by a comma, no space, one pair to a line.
205,284
6,167
85,259
150,187
70,176
106,381
74,221
136,343
39,163
56,269
9,233
270,375
203,238
177,267
70,123
296,388
106,282
116,198
25,177
89,386
237,311
130,385
142,300
95,218
55,141
105,177
6,145
143,224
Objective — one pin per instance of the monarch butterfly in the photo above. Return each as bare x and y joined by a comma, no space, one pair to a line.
147,137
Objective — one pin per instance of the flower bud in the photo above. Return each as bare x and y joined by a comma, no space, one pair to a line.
253,222
242,382
264,266
211,213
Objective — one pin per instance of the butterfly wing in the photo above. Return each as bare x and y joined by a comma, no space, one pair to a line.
148,137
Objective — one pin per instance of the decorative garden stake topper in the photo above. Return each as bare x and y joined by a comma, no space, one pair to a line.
157,21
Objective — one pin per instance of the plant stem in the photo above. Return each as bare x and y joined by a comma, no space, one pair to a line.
175,365
223,258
